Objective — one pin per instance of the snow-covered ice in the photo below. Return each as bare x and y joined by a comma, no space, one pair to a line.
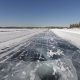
11,37
40,56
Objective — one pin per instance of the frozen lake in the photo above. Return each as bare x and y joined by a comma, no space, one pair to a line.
41,56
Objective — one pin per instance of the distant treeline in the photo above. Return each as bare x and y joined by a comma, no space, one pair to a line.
49,27
75,25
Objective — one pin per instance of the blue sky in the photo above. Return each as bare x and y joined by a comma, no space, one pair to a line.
39,12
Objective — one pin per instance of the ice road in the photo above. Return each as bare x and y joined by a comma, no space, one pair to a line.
44,56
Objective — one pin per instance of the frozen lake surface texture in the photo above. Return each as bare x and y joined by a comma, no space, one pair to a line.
37,55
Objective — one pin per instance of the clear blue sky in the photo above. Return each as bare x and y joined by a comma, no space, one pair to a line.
39,12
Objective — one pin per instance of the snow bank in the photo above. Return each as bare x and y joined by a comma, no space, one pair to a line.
71,35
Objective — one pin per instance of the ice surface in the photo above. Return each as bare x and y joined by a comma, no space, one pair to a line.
44,56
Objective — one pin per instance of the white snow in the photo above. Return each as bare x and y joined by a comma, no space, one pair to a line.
51,53
71,35
12,37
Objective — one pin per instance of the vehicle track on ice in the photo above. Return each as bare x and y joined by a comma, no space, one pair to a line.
44,57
